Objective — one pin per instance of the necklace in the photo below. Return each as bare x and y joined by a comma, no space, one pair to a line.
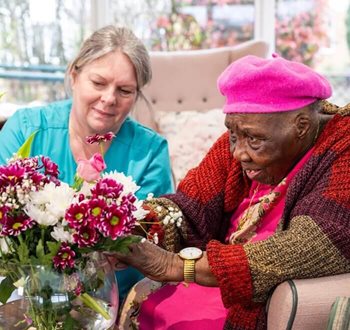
247,214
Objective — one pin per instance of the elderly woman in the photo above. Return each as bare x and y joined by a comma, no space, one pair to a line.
105,79
269,202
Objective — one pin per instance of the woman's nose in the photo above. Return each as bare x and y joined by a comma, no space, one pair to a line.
109,97
240,151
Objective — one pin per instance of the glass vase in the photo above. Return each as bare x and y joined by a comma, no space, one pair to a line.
86,298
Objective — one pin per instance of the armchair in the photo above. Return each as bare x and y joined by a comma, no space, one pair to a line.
186,81
305,304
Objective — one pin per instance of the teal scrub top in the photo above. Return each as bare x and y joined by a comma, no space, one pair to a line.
136,150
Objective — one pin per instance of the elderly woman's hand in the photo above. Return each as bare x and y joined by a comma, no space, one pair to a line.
153,261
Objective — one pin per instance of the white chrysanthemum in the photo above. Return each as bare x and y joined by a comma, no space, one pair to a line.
42,217
140,213
48,206
4,246
128,183
61,235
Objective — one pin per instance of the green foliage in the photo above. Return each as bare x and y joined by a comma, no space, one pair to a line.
121,244
23,253
6,289
24,150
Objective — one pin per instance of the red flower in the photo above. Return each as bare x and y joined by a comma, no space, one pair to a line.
86,236
51,168
98,138
155,229
115,223
107,188
64,257
77,215
95,208
14,225
11,174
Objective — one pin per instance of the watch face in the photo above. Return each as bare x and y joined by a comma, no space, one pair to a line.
191,253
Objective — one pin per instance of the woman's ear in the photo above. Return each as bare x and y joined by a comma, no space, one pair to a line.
303,125
72,78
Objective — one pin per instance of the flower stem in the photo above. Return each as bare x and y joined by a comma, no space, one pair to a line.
101,148
94,305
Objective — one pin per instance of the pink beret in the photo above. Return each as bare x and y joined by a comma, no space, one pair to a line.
257,85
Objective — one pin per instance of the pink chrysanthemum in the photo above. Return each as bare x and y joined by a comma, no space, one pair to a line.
11,174
128,202
95,208
64,257
86,236
98,138
77,215
3,217
107,188
29,165
115,222
3,213
38,179
79,289
14,225
50,167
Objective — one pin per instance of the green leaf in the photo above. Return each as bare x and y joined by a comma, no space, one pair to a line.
69,323
53,247
40,254
121,244
24,150
78,182
23,253
6,289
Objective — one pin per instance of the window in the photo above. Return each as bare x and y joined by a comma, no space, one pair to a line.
45,35
317,33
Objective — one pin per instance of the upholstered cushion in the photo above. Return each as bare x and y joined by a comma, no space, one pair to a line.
186,80
305,304
190,134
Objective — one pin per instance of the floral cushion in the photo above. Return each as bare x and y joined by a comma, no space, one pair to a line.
190,134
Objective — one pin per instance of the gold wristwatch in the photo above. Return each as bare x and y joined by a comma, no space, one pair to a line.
189,256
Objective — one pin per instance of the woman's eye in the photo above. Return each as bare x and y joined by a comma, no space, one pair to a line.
97,83
252,139
254,142
126,92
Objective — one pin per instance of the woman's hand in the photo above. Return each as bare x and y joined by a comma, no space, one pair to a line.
153,261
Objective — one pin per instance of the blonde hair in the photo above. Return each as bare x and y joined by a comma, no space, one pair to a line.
109,39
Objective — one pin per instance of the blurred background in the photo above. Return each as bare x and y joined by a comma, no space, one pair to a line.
39,37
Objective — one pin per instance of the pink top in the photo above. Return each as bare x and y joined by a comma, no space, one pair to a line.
270,199
178,307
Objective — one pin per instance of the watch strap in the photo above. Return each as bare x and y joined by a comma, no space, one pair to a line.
189,270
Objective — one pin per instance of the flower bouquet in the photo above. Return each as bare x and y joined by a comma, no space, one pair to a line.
51,235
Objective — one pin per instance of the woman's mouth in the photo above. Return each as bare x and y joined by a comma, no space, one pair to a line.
252,174
103,113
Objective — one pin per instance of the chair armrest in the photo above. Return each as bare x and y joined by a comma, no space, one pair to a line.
305,304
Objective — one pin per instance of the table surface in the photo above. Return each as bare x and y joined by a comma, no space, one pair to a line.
11,313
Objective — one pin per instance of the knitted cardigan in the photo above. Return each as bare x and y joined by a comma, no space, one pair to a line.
313,240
